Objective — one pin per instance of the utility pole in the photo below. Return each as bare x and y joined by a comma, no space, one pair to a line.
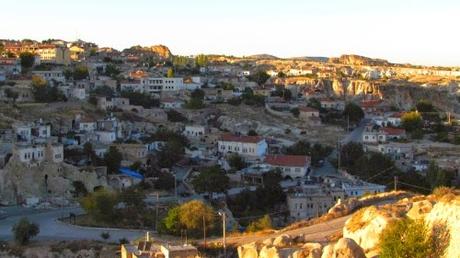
204,232
338,154
175,187
156,212
348,123
224,242
395,183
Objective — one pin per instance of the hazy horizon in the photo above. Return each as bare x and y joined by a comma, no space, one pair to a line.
416,32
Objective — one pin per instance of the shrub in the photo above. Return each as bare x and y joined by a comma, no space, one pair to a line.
123,241
261,224
24,230
406,238
105,235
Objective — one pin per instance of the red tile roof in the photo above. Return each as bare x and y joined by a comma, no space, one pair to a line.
393,131
370,103
398,114
241,138
288,160
307,109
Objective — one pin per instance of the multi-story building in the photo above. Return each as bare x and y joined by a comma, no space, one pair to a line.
156,85
30,154
194,131
54,75
247,146
11,66
54,54
291,166
28,131
313,201
373,135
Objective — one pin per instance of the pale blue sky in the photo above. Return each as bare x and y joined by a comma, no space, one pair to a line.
419,32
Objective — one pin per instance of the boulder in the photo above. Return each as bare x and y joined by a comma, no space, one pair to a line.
444,221
365,226
344,248
248,251
309,250
420,209
282,241
268,241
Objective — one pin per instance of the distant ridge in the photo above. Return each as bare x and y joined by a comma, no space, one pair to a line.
312,58
263,56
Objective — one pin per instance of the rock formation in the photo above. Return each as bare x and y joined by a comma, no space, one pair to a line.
358,60
361,233
18,182
162,51
344,248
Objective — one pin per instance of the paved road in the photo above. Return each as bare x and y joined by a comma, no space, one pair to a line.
51,229
314,233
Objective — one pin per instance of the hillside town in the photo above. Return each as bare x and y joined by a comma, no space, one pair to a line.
93,138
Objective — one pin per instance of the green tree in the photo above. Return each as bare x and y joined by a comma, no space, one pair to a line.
11,94
79,189
80,72
27,59
260,77
295,112
201,60
353,112
236,161
170,73
133,198
412,121
194,103
425,106
171,221
45,93
100,205
281,75
406,239
314,103
197,94
113,159
350,153
24,230
170,154
436,177
211,180
112,70
191,215
263,223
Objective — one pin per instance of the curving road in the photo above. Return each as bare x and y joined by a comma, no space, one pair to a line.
52,229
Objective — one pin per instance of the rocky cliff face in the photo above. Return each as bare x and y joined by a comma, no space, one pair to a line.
49,180
358,60
162,51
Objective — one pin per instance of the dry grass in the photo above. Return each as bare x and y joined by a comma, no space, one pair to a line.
357,220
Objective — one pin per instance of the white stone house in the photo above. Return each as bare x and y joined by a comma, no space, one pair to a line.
292,166
247,146
194,131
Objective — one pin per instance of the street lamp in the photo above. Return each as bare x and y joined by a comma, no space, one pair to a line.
224,244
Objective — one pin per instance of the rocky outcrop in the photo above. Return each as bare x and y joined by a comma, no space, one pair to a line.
444,220
309,250
366,225
358,60
344,248
162,51
19,182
